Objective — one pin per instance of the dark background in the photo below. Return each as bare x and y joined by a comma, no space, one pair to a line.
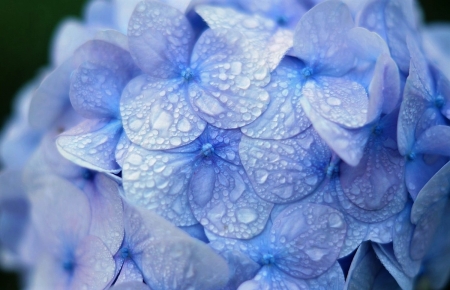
26,28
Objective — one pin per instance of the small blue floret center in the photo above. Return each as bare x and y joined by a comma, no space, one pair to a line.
411,156
268,259
68,266
282,20
307,72
187,74
207,149
439,102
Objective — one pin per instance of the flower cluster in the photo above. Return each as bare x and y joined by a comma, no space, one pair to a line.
233,144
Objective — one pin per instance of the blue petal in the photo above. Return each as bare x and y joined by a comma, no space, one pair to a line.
271,278
264,35
333,278
225,70
159,180
92,144
348,144
420,170
320,38
378,177
307,239
129,272
130,286
106,210
156,114
402,234
339,100
94,267
196,231
381,232
391,20
284,117
224,202
433,141
160,39
387,258
99,12
286,170
373,216
168,257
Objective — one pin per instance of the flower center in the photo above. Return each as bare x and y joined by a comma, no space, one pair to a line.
187,74
439,102
88,175
307,72
125,252
69,266
207,149
268,259
282,20
377,130
411,156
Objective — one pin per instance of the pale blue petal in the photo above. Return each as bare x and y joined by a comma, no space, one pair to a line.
156,114
94,265
196,231
348,144
436,37
160,39
284,117
107,211
402,234
338,100
99,12
320,38
225,69
271,278
64,225
159,180
122,148
367,45
264,35
51,98
224,202
286,170
307,239
387,258
129,272
168,257
92,144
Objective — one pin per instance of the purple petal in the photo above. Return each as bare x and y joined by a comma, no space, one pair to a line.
92,144
168,257
163,185
224,202
320,38
284,117
107,211
402,234
307,238
338,100
160,39
223,92
94,265
348,144
156,114
286,170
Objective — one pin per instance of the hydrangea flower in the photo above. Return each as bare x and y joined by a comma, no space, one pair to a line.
229,144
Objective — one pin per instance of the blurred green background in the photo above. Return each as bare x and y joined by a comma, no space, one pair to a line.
26,28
